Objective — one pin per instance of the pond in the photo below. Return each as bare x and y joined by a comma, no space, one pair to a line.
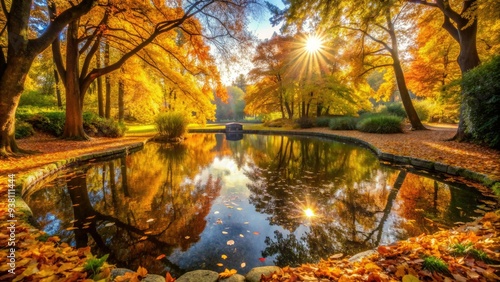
211,203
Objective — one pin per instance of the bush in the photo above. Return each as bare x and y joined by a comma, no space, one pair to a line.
380,124
24,129
95,125
171,124
305,122
323,121
395,109
343,123
481,96
281,122
49,122
35,98
423,109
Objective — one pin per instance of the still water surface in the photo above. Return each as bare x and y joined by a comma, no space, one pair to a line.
210,203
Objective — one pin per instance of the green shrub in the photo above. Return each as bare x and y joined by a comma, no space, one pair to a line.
95,125
481,97
323,121
49,122
24,129
343,123
305,122
35,98
380,124
394,108
171,124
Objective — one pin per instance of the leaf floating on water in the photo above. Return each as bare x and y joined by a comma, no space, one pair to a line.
223,257
73,221
262,259
109,224
230,242
241,235
160,257
148,232
224,232
187,237
240,209
90,217
256,233
243,265
219,264
150,220
216,212
143,238
76,205
246,222
71,228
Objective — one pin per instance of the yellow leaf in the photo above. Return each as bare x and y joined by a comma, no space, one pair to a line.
169,278
227,273
223,257
219,264
410,278
65,266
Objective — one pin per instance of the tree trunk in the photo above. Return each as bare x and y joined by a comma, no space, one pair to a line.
58,89
73,128
100,98
121,104
416,124
108,82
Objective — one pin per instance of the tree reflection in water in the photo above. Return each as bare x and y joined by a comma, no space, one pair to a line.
187,200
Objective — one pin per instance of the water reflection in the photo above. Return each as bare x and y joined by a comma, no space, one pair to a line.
245,200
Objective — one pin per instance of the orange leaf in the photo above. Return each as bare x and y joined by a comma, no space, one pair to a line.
160,257
169,278
142,271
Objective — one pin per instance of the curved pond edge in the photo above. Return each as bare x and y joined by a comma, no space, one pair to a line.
28,179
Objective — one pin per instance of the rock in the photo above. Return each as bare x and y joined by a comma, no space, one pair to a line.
255,274
199,276
153,278
234,278
360,256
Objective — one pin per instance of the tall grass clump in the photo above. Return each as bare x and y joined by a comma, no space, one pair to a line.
380,124
171,124
343,123
394,108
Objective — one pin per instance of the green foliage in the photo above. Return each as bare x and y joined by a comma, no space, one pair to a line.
93,265
394,108
98,126
496,189
49,122
35,98
24,129
323,121
43,238
171,124
343,123
52,122
380,124
434,264
481,97
305,122
460,249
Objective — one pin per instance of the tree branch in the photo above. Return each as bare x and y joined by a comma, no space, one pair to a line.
58,24
4,9
373,68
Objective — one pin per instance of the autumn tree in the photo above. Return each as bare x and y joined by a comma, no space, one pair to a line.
132,27
18,54
374,28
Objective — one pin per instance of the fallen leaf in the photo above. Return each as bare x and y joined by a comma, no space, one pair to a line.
223,257
160,257
227,273
230,242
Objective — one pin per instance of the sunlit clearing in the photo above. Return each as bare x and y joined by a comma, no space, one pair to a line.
313,44
309,212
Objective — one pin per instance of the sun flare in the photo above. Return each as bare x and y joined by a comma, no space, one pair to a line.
313,44
309,212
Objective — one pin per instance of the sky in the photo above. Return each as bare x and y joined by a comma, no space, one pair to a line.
262,29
